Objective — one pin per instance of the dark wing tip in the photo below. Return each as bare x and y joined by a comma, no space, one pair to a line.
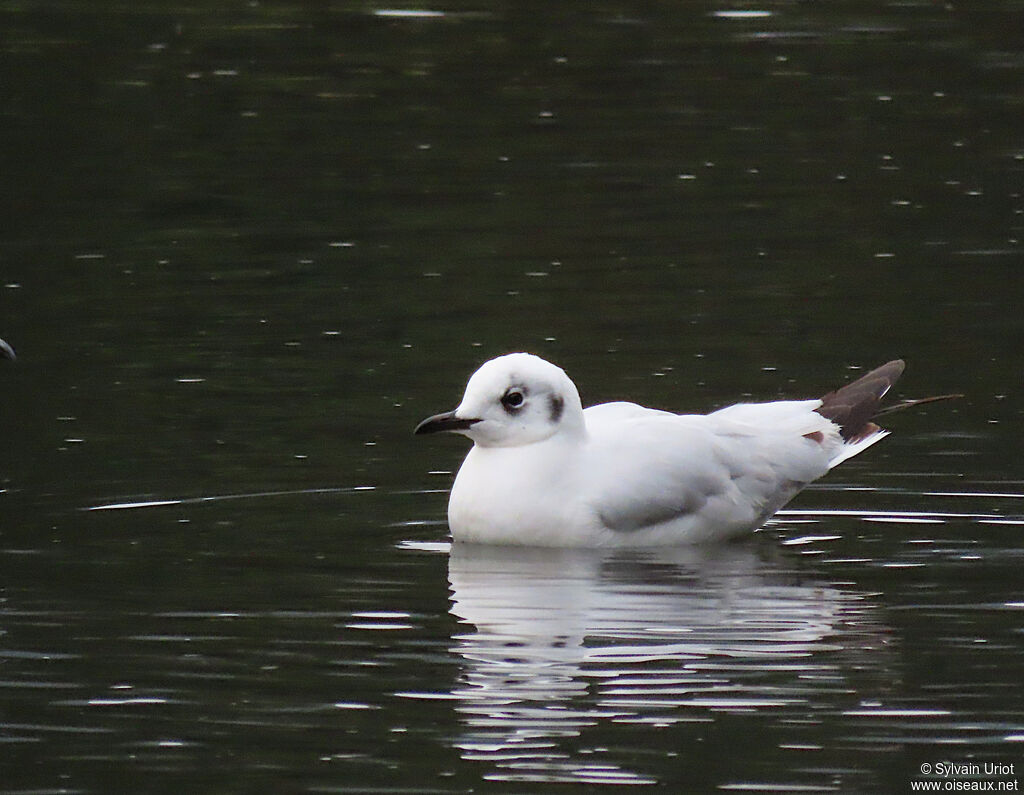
851,407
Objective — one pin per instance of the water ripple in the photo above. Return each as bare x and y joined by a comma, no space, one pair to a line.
563,641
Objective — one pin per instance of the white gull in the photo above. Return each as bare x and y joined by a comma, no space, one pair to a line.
545,471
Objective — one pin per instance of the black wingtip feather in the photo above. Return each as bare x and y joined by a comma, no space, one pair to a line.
851,407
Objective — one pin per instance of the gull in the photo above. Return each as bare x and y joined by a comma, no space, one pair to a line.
544,471
6,351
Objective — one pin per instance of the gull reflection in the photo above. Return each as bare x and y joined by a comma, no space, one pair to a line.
559,643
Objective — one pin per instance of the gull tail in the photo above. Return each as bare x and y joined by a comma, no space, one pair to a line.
854,406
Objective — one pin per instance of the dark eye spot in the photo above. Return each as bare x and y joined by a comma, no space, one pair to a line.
555,407
512,399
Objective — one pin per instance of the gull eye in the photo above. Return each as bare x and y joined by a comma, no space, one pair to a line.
512,399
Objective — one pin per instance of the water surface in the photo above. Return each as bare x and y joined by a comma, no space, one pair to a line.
246,249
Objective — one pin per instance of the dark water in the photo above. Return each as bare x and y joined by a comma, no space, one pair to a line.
245,249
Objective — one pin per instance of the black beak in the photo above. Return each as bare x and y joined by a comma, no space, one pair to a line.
443,422
6,351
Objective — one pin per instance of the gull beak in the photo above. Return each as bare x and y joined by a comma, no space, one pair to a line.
6,351
444,422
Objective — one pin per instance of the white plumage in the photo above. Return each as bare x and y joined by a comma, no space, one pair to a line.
544,471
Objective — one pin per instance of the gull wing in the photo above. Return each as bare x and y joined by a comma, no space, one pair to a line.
718,473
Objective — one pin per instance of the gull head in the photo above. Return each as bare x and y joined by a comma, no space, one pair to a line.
514,400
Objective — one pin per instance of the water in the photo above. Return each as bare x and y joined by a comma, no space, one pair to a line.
245,250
